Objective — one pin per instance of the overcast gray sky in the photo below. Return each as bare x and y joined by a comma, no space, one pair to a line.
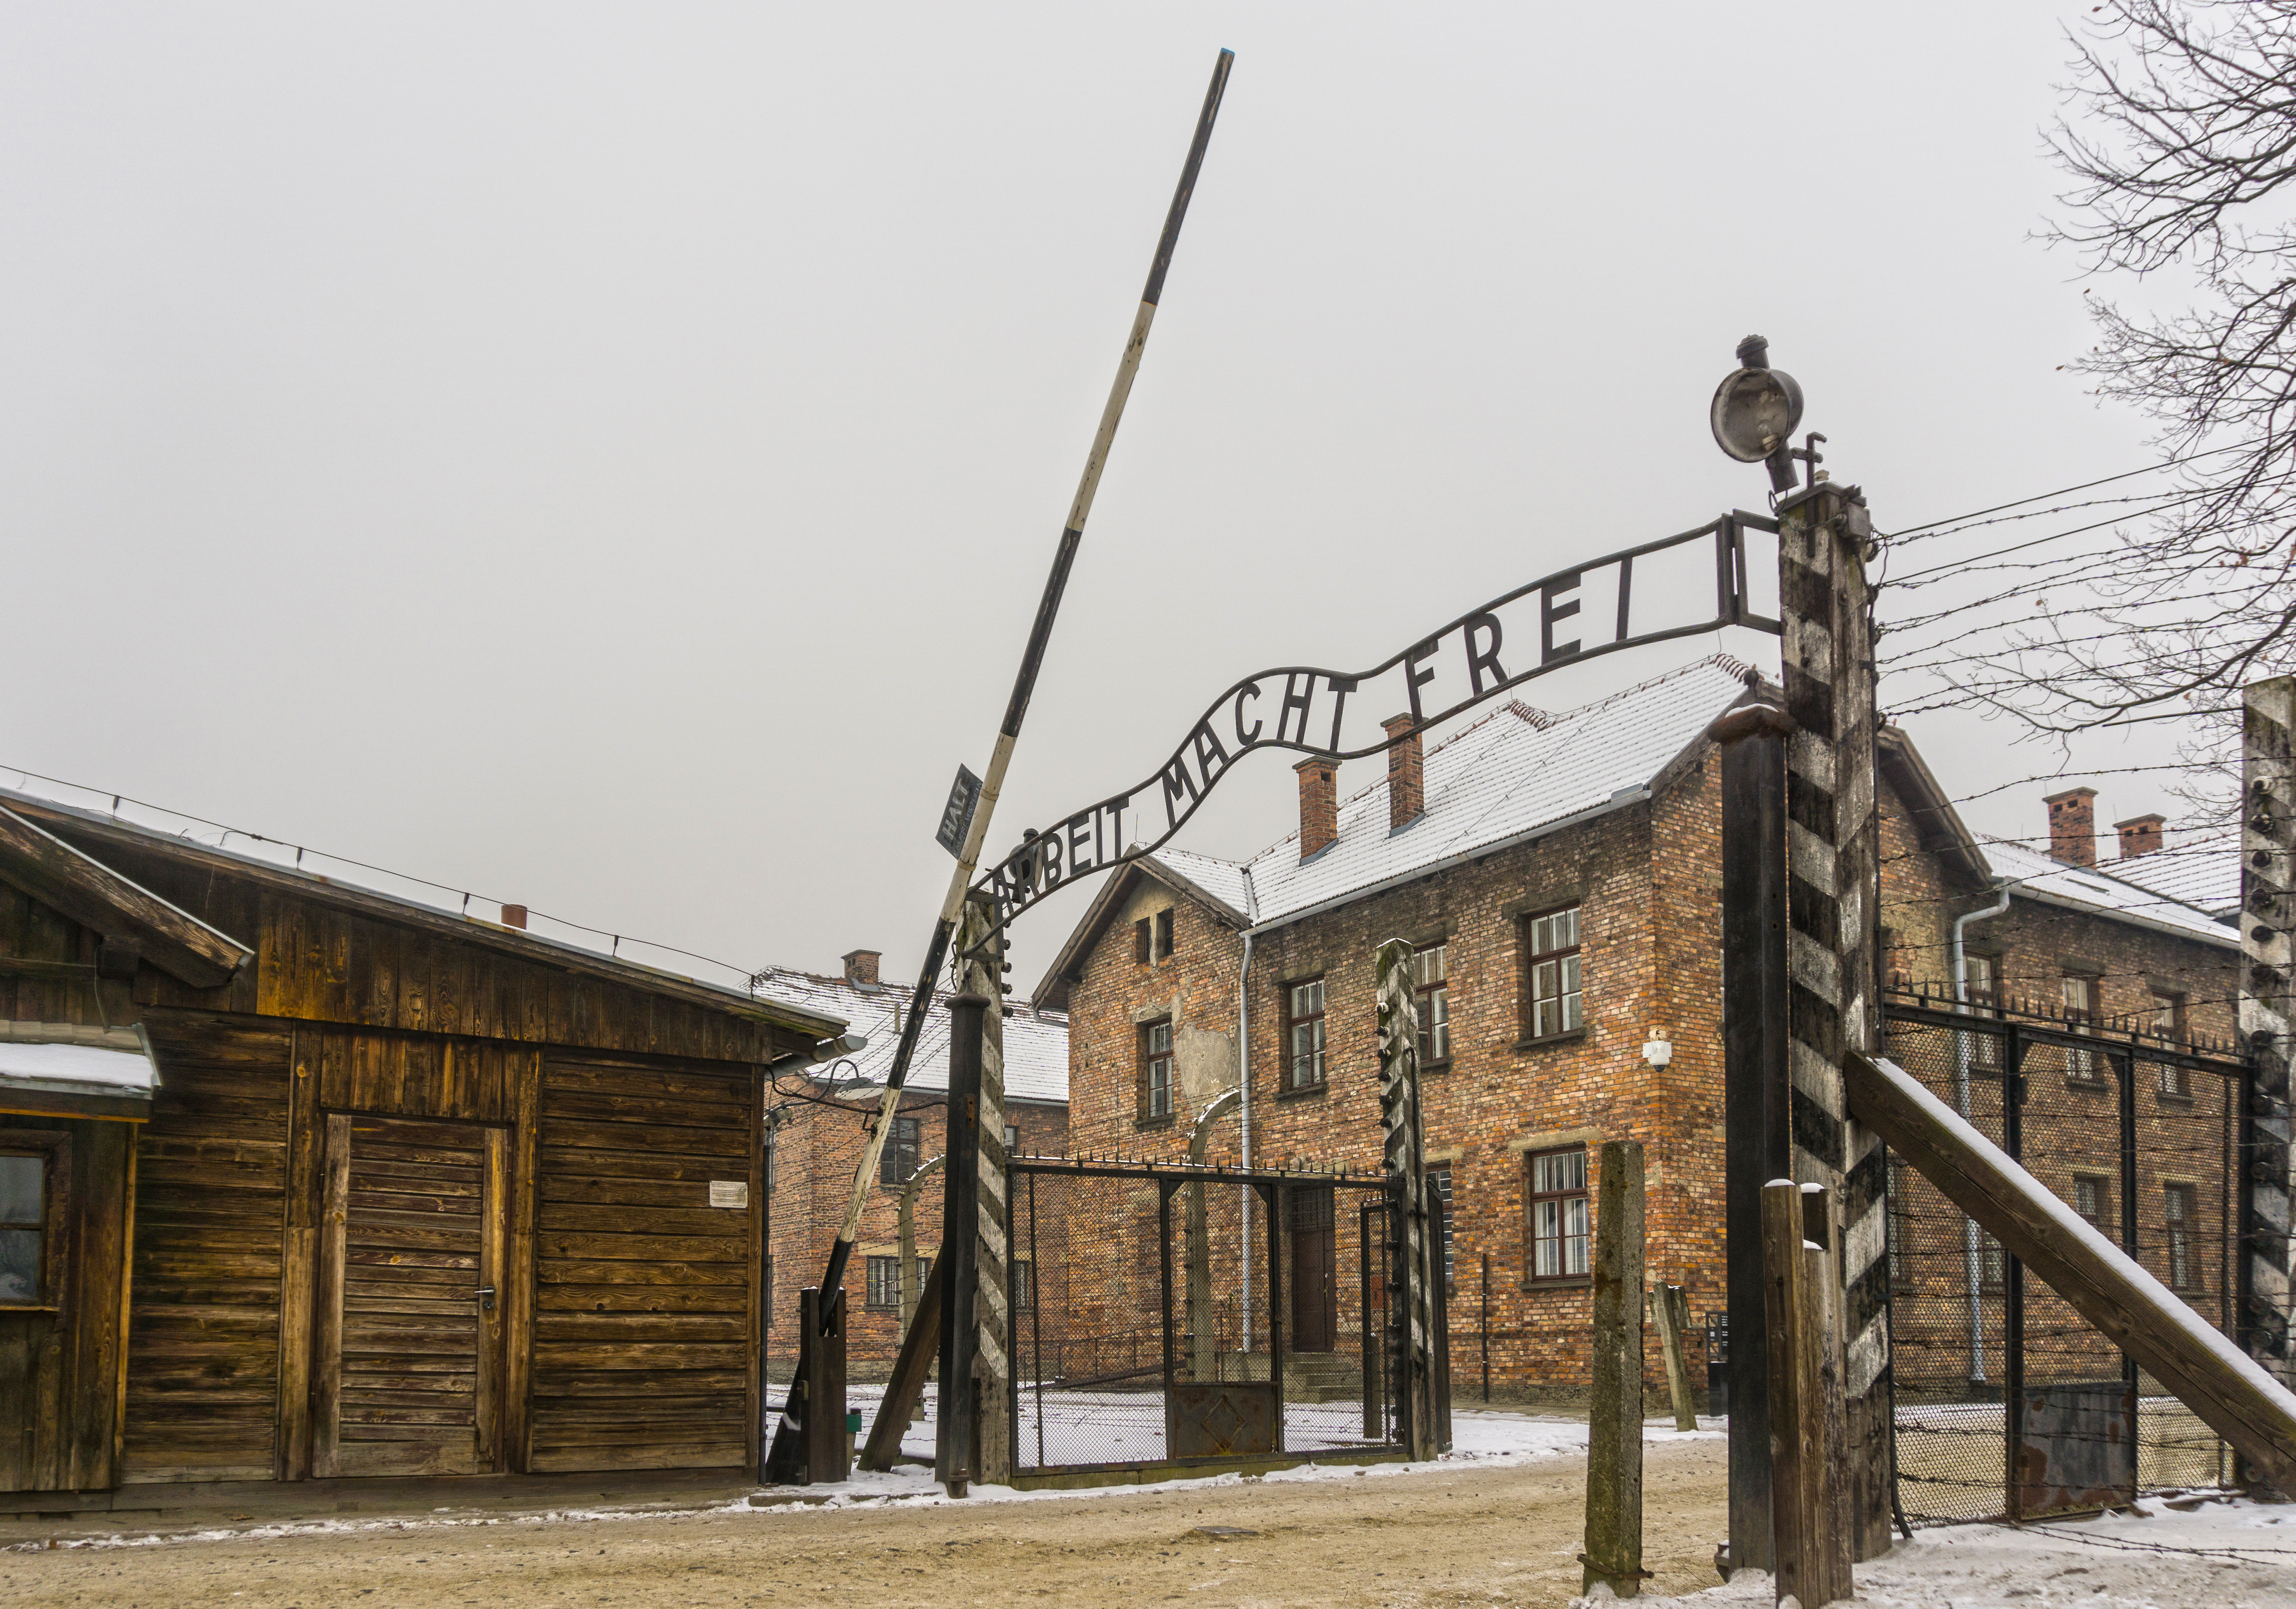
607,456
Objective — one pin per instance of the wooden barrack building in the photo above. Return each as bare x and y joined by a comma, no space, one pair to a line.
299,1179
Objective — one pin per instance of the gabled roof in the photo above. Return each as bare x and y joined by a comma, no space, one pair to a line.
40,814
1937,824
2198,867
1035,1040
82,887
1222,888
2036,877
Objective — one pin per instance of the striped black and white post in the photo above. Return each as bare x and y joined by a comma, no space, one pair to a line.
2267,1017
1833,905
1413,1349
983,948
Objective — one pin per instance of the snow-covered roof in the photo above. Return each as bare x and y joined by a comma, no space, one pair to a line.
70,1058
1516,771
2201,868
1035,1042
2035,876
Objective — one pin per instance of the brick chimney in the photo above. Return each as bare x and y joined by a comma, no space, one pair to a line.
2140,835
1406,772
1319,806
861,967
513,916
2072,826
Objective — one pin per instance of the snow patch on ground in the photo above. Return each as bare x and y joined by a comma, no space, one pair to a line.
2220,1555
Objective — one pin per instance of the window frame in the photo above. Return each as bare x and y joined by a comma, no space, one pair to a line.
1558,955
1292,1023
1022,1281
2173,1083
878,1273
1533,1195
1166,944
1142,949
1150,1059
1423,994
1984,1049
1446,1182
2179,1218
52,1147
2103,1221
904,1140
2082,1067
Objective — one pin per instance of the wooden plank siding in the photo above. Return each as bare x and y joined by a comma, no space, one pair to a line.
644,1292
203,1333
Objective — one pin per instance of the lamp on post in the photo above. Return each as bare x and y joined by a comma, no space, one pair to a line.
1754,413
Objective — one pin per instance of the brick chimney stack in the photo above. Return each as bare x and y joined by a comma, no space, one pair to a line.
513,916
2140,835
861,967
1406,772
2072,826
1319,806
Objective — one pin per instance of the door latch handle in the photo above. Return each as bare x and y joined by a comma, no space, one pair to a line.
486,1296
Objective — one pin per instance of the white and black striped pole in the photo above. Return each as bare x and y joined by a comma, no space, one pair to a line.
1008,731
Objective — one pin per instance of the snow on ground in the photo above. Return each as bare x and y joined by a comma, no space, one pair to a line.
2228,1553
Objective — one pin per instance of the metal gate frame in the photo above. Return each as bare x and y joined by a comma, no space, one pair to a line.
2022,1028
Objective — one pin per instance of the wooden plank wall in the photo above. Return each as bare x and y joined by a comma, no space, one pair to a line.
60,986
212,1187
643,1333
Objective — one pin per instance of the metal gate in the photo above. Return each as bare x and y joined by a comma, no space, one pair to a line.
2008,1403
1166,1315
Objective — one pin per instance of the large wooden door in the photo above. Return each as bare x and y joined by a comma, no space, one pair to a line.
1314,1271
407,1379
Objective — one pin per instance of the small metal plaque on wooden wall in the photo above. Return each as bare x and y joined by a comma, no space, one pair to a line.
729,1192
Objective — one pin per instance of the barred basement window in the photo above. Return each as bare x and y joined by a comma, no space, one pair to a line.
1156,1070
1304,1034
899,1158
1430,978
1551,943
2177,1208
1559,1214
884,1282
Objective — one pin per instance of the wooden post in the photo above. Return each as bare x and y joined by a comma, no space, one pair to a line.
982,946
1614,1433
2268,1024
1833,936
1757,1119
1412,1321
1808,1428
1670,1306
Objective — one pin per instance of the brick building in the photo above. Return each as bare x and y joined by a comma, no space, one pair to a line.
1561,874
815,1140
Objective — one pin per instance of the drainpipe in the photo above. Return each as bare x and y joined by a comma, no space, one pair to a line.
1970,1261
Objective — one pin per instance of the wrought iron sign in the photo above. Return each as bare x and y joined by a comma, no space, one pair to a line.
1565,618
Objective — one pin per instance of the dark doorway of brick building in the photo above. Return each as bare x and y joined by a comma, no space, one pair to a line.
1314,1271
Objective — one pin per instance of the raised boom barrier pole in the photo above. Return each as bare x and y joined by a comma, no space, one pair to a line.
781,1460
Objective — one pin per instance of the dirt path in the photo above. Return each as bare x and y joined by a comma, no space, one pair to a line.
1437,1539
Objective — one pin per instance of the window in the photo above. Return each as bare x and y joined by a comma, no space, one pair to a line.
1558,1213
1430,977
1439,1174
1163,935
2169,1023
1992,1266
1304,1034
23,1224
1901,1228
1156,1070
2093,1200
1012,1139
1024,1285
1140,952
884,1282
1983,980
900,1155
2184,1268
1554,968
2080,1006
